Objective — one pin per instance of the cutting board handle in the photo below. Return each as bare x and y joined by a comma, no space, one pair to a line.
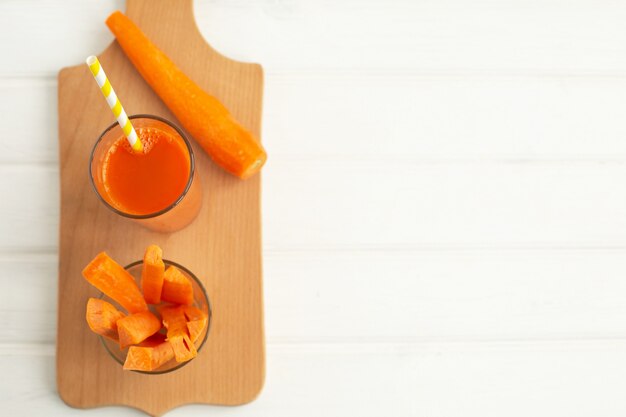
169,12
132,6
166,9
136,6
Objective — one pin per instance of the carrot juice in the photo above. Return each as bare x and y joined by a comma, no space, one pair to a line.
156,187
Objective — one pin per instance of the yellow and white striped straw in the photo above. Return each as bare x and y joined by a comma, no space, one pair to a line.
114,103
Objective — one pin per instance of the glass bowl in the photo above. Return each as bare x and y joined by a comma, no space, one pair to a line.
201,301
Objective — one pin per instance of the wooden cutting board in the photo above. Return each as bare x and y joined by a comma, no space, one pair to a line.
222,246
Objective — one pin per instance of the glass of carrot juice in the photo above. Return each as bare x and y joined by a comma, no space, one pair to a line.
158,187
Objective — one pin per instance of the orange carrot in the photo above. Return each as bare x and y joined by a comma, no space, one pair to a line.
102,318
196,321
112,279
177,288
152,274
178,334
229,144
137,327
143,358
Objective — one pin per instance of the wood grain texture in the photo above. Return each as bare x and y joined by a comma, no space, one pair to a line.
469,203
517,379
394,36
428,296
516,311
222,246
516,117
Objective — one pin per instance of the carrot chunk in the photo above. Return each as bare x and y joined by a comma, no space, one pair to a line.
175,322
177,288
196,321
102,318
137,327
230,145
152,274
144,358
112,279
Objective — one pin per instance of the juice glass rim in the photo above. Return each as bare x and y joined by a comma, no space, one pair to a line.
192,167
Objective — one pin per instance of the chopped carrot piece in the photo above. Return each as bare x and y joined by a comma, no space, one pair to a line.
137,327
102,318
112,279
152,274
177,288
144,358
231,146
196,321
178,334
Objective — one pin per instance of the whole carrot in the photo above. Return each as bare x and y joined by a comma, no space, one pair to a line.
230,145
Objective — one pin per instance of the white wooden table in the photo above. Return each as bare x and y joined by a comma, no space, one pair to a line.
444,207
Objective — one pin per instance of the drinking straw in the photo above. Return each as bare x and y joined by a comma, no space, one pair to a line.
114,102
